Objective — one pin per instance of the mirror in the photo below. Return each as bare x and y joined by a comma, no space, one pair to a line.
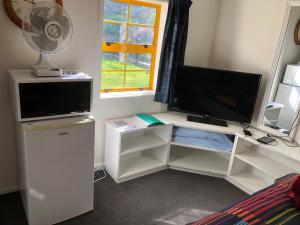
281,107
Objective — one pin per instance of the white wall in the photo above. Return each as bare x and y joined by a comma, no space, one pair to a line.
14,54
204,15
83,54
247,36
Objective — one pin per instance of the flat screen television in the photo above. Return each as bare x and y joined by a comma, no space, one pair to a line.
218,94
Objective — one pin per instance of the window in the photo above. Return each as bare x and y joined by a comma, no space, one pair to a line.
129,42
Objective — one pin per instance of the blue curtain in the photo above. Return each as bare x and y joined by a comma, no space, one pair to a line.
173,49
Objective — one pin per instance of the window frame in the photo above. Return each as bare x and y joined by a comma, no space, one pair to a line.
133,48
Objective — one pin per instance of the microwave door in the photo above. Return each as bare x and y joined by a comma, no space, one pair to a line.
54,98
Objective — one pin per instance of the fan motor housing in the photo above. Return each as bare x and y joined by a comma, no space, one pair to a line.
53,30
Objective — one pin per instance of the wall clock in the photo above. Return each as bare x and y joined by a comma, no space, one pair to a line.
17,9
297,33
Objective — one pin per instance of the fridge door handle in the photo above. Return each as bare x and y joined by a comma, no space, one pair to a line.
58,125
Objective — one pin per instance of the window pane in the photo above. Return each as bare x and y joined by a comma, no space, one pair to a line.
115,11
112,80
142,14
140,35
114,33
113,61
138,62
139,79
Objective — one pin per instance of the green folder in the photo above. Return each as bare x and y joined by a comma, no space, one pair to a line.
149,120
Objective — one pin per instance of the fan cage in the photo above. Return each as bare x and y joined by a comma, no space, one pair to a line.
31,33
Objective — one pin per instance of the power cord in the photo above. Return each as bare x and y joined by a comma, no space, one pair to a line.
100,177
247,128
293,124
291,142
248,131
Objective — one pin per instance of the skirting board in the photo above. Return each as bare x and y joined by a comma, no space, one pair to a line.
8,190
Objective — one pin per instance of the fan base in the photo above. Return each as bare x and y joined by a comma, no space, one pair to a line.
46,72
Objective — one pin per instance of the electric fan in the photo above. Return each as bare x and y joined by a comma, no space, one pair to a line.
47,28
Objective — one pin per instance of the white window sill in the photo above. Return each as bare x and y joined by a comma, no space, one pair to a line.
128,94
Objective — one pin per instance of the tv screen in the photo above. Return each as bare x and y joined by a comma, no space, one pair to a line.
216,93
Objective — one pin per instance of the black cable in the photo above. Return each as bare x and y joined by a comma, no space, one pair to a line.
255,138
246,127
293,127
282,138
286,142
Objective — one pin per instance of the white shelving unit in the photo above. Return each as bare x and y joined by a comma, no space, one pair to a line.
137,150
248,182
198,161
133,164
140,150
141,142
265,164
196,157
201,148
254,167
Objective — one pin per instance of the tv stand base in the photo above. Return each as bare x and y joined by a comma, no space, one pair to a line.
207,120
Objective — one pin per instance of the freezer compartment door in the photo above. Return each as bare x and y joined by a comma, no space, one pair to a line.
60,162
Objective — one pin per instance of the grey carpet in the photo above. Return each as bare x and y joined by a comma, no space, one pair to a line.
164,198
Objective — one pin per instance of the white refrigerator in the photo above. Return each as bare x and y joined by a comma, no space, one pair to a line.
56,168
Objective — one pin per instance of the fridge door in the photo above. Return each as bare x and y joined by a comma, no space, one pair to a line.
60,170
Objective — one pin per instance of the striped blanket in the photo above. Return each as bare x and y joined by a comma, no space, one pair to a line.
269,206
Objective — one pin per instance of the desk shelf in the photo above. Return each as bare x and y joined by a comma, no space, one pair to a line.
198,161
141,142
132,165
267,165
255,167
137,151
248,182
200,148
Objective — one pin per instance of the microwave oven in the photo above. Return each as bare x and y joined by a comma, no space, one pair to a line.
36,98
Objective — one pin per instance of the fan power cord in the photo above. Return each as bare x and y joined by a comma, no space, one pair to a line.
100,178
247,130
